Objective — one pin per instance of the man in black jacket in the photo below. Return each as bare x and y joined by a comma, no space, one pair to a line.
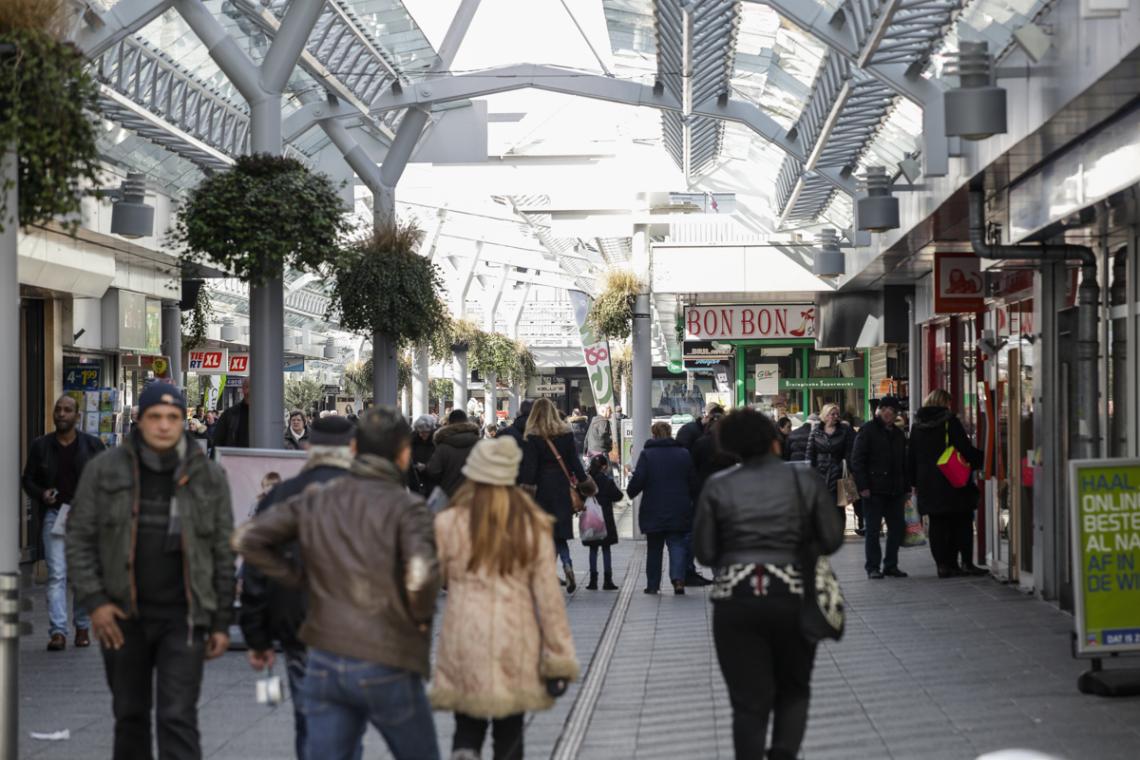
271,612
517,429
233,427
691,431
55,462
879,464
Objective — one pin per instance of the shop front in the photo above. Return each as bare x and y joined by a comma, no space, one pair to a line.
778,369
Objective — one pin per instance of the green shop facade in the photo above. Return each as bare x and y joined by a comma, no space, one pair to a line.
769,350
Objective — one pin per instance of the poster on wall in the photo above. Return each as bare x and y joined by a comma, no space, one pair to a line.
253,472
1104,508
767,379
595,352
958,283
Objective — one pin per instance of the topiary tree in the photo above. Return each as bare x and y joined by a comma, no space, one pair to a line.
260,216
611,313
48,111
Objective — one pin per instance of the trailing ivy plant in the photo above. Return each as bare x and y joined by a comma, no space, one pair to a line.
196,320
525,366
621,365
260,216
383,285
463,334
611,313
442,390
48,109
493,353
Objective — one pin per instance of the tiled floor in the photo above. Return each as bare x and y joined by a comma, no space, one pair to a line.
928,669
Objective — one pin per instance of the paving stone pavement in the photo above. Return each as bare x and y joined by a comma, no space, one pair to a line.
928,669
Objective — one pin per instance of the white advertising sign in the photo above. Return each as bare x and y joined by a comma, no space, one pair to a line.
239,365
595,352
752,321
767,379
209,362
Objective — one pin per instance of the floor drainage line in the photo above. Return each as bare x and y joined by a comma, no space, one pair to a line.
578,721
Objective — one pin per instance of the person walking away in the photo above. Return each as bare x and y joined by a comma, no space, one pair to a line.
599,436
453,442
495,549
579,425
51,475
148,547
491,430
950,510
668,480
784,426
233,426
271,613
750,525
371,579
549,464
829,448
297,432
708,459
608,493
691,432
798,440
423,447
517,428
878,462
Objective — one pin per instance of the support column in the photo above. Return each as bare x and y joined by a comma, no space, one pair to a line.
914,359
459,378
421,364
490,396
642,339
386,370
172,341
10,465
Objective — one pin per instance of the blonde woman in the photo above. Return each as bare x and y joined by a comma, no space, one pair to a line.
551,464
829,448
505,648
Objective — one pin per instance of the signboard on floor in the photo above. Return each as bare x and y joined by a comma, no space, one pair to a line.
958,283
1104,506
751,321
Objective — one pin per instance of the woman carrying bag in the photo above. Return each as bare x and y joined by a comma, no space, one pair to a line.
829,452
762,524
495,550
950,509
551,465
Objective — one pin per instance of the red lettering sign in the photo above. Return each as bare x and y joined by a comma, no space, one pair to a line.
958,283
751,321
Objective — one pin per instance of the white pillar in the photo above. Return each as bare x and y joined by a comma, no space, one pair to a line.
421,363
10,464
459,378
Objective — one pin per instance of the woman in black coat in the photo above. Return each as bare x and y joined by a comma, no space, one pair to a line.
829,447
666,475
548,440
608,493
950,510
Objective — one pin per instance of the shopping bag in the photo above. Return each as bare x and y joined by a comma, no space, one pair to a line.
915,533
437,500
846,492
953,465
591,521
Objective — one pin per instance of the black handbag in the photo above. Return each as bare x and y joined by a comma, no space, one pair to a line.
823,613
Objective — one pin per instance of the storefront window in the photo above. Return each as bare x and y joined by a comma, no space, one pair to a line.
835,364
682,396
773,364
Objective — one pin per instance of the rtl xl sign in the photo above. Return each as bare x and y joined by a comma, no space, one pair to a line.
743,322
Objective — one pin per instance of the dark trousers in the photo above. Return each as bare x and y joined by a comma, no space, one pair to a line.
562,549
945,535
876,510
965,537
857,508
156,654
655,546
766,665
607,562
507,734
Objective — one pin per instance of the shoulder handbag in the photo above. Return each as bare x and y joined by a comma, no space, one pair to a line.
577,503
953,465
846,492
822,615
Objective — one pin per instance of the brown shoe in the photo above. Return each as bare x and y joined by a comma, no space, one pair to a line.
57,643
82,638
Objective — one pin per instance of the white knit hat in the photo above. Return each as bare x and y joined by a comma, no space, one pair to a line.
494,461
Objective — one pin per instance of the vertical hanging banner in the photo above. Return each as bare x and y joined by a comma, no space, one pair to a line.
595,352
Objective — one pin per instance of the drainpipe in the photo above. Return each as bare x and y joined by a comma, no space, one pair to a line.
1088,296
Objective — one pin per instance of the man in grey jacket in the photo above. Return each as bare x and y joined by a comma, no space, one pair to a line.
148,548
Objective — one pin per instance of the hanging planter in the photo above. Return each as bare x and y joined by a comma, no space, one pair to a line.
261,216
492,353
196,320
525,365
611,313
383,285
48,113
621,364
463,333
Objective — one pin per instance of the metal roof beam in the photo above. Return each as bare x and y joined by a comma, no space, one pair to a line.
122,20
884,15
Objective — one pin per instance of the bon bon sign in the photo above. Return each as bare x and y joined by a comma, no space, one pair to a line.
784,320
1105,518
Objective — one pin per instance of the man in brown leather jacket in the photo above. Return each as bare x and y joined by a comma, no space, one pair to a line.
370,570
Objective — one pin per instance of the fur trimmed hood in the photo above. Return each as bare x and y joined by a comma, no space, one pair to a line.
461,435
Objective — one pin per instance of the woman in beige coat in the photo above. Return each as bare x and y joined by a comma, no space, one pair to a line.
505,647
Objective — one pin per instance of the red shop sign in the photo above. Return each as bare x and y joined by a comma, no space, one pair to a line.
958,283
740,322
208,362
239,364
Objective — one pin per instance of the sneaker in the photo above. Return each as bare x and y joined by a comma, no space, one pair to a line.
696,579
874,575
57,643
894,572
82,638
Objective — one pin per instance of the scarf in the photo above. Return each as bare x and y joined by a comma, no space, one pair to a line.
373,466
174,461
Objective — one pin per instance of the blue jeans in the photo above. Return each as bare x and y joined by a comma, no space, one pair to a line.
562,549
295,663
655,545
877,509
55,554
607,563
342,695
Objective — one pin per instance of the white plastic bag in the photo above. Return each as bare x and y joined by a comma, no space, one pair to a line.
592,522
